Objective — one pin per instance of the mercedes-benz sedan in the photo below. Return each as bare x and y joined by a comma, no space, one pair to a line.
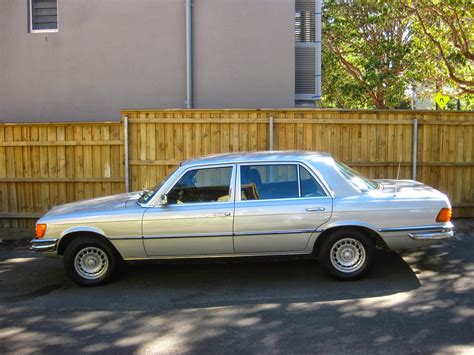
245,205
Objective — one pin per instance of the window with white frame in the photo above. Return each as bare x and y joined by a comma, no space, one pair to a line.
43,15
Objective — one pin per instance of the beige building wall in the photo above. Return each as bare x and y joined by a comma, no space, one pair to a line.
113,54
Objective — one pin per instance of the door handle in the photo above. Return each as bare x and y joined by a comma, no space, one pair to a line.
315,209
221,214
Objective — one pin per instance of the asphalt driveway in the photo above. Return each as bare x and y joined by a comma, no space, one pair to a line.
421,301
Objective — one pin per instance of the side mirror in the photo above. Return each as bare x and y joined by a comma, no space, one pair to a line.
163,200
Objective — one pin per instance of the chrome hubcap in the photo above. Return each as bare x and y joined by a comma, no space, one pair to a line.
91,263
348,255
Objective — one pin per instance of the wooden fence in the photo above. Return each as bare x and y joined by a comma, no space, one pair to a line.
42,165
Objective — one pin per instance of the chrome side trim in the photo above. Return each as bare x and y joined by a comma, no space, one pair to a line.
445,234
415,228
197,235
139,237
294,231
48,244
214,235
211,256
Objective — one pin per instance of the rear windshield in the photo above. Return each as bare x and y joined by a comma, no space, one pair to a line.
360,182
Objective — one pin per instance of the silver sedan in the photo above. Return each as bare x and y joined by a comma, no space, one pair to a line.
244,205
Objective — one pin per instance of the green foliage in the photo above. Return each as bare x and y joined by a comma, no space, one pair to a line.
446,30
373,51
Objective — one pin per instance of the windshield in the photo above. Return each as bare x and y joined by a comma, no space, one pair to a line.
360,182
148,194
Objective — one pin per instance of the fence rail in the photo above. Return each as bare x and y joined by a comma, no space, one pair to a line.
42,165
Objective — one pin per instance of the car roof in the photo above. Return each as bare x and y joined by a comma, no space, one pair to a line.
261,156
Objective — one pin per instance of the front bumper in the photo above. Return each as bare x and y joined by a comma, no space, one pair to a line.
44,245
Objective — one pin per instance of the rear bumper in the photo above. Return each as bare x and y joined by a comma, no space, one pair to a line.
412,237
44,245
443,234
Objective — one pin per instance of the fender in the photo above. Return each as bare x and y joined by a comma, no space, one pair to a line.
76,229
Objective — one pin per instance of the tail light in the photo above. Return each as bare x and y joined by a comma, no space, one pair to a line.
40,230
444,215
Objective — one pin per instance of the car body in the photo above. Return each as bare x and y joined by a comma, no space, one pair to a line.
249,204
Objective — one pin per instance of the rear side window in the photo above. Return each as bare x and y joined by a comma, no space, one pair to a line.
267,182
309,186
277,181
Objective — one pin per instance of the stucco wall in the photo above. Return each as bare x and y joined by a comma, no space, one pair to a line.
113,54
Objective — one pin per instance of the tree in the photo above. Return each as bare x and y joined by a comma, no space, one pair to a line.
371,42
447,27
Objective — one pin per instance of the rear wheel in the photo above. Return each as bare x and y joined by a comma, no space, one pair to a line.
346,254
90,261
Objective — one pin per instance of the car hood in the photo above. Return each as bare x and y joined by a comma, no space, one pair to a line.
96,204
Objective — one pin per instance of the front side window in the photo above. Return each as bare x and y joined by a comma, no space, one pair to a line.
148,194
43,15
202,185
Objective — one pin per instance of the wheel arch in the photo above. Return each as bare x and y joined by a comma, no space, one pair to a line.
369,232
68,238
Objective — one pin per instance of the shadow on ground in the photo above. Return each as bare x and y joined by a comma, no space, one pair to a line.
420,302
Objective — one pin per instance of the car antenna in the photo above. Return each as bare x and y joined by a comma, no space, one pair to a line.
398,175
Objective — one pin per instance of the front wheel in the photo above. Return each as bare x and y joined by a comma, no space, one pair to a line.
346,254
89,262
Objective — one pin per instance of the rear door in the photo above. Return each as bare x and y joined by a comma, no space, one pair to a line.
278,208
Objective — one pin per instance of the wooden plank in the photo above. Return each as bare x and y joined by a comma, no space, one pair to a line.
60,143
277,120
21,215
97,170
60,179
79,163
88,157
61,164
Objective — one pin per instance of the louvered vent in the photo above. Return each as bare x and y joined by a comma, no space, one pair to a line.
305,66
307,50
44,15
304,21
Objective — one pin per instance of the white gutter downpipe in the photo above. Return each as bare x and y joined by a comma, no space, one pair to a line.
189,54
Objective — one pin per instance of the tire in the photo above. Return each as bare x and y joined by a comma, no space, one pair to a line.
346,254
90,261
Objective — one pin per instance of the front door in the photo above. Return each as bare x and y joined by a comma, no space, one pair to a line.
197,220
279,207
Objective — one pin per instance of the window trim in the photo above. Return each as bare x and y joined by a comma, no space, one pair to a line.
166,189
30,22
298,164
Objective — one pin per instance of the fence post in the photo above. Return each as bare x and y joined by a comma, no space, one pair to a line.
270,133
415,147
125,142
